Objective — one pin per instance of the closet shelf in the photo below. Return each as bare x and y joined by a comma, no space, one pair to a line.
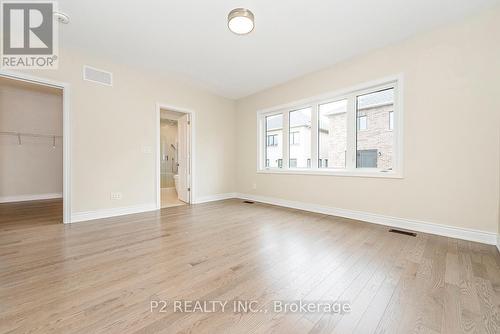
19,136
28,134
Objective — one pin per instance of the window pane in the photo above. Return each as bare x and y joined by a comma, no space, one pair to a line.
332,134
274,141
374,141
300,138
362,122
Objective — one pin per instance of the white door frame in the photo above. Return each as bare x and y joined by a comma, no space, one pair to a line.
65,87
191,148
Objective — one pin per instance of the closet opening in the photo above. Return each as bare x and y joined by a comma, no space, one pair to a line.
32,171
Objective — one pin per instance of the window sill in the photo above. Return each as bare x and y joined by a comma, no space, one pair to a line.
379,174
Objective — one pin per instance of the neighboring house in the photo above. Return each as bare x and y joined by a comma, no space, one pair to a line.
374,141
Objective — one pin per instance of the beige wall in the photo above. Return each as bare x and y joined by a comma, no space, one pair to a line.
34,167
112,125
451,128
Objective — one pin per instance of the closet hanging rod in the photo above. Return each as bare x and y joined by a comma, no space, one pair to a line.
27,134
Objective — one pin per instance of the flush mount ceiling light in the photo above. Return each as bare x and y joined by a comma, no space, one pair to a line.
240,21
61,17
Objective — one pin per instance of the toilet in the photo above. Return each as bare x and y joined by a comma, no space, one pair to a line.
176,182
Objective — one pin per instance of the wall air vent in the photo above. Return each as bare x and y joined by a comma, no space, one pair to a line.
96,75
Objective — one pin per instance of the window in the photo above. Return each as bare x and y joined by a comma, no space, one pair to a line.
356,132
332,134
300,151
366,158
374,145
362,123
274,134
323,163
272,140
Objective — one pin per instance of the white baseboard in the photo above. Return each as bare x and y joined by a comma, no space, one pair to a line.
498,241
407,224
23,198
106,213
212,198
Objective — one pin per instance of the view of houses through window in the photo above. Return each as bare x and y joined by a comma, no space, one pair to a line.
274,136
300,137
373,122
374,142
332,146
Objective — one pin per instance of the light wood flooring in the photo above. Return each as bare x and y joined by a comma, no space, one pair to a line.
101,276
169,198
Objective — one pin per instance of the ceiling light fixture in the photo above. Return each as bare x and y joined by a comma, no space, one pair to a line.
240,21
61,17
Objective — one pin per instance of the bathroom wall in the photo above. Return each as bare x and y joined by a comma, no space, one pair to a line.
168,155
34,169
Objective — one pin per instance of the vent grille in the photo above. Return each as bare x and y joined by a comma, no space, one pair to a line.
411,234
98,76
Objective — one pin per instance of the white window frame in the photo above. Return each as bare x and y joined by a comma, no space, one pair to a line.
350,94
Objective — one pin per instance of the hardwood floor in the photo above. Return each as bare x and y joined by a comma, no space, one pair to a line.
101,276
29,214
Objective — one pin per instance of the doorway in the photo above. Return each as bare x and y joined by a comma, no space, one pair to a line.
174,153
33,150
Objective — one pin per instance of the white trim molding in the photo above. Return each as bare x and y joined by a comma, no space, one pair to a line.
213,198
407,224
113,212
498,241
34,197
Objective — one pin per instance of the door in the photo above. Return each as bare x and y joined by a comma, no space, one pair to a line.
184,159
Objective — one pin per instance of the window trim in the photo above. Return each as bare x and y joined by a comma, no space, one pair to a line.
350,94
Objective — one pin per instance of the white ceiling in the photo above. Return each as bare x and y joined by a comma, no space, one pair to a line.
291,37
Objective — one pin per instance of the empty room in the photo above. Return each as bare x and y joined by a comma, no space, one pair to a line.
250,166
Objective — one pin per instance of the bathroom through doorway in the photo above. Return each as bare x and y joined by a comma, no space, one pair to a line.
174,158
